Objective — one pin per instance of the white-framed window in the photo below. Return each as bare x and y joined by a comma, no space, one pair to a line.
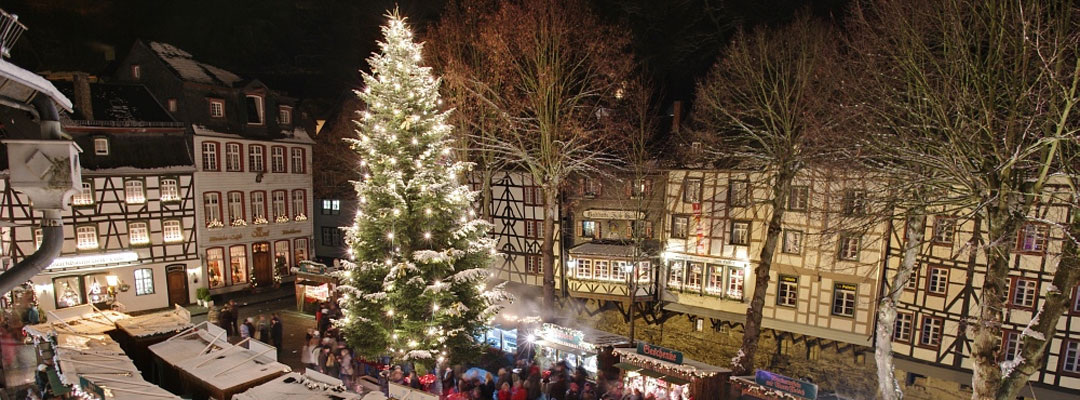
799,198
133,192
233,157
692,188
694,275
136,71
787,291
640,187
1024,292
258,205
602,269
584,268
1010,345
285,115
101,146
279,204
255,112
236,206
740,233
533,264
854,202
944,229
937,281
209,156
256,162
85,237
680,226
144,281
592,187
590,229
1033,238
739,193
905,323
38,237
620,270
277,159
172,231
843,299
85,197
849,247
299,202
1070,356
215,267
735,280
930,334
170,189
792,242
331,207
138,233
534,228
676,274
212,207
299,161
238,263
714,283
217,108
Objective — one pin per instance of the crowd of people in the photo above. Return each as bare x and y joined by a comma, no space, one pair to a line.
261,328
325,351
527,381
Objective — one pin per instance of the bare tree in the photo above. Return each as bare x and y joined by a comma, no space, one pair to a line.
764,104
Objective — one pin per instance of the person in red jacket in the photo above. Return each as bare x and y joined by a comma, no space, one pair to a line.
519,392
504,391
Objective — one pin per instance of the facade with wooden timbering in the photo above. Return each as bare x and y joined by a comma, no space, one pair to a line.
129,236
517,218
931,337
253,185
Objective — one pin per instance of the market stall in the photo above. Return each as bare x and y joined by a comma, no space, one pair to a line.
665,373
230,370
195,341
766,385
84,319
102,374
590,349
311,385
315,284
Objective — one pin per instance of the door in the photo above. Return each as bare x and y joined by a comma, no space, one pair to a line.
264,272
176,276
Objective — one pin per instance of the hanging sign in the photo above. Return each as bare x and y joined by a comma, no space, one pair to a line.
560,335
613,214
660,353
787,385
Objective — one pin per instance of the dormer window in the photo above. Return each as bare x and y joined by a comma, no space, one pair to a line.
217,108
285,115
254,105
172,105
136,71
101,146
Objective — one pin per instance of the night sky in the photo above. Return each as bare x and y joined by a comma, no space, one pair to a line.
313,48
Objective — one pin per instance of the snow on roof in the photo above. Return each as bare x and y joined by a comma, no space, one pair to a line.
311,385
27,84
164,322
80,342
191,70
189,344
78,362
84,319
235,365
119,388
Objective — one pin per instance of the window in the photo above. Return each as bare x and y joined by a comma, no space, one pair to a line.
279,206
284,115
1070,356
787,291
601,270
217,108
714,284
584,268
215,267
676,274
905,322
620,270
843,303
172,231
739,193
254,108
281,255
533,196
138,233
101,146
799,198
85,197
735,282
854,203
331,236
1076,299
740,233
170,189
258,207
640,188
930,334
937,281
238,263
693,276
299,203
68,291
944,229
1033,237
277,159
680,226
85,237
256,162
591,187
590,229
300,250
692,190
133,192
1010,345
534,228
792,242
533,264
212,208
236,207
209,156
849,247
642,229
331,207
233,157
299,162
172,105
136,71
913,280
1024,292
144,281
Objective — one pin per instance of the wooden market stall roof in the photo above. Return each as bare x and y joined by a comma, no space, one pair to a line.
98,364
85,319
688,367
310,385
234,367
194,341
159,323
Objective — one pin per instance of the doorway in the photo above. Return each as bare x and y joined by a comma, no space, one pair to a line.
264,272
176,277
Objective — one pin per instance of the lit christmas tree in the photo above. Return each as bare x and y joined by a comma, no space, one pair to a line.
417,289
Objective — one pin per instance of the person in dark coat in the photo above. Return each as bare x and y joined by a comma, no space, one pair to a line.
226,318
234,317
276,331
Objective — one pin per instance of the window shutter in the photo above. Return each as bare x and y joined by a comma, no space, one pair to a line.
580,228
599,230
630,188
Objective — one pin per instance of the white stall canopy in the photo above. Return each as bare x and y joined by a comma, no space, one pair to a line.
164,322
311,385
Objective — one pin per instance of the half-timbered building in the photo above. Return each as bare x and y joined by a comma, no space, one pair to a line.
517,215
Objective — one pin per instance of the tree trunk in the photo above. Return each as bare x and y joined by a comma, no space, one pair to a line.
485,197
914,229
743,364
547,248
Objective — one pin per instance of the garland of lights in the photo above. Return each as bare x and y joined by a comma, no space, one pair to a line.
762,391
663,366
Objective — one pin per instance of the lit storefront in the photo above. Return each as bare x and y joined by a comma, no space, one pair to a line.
664,373
315,283
112,279
587,348
766,385
602,270
720,278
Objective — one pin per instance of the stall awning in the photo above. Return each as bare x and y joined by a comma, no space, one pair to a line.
674,380
627,367
568,349
650,373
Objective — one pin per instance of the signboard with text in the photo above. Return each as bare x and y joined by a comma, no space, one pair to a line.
787,385
560,335
660,353
613,214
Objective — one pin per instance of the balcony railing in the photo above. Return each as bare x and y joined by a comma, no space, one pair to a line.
10,31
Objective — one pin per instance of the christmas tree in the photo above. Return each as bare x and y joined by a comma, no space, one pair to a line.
416,289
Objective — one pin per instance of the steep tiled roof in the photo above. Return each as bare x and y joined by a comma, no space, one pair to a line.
137,150
191,70
118,102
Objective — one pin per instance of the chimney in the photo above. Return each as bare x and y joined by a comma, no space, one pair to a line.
81,83
676,116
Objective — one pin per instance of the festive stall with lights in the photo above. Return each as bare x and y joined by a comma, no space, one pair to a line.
221,373
587,348
665,373
137,334
766,385
315,283
310,386
195,341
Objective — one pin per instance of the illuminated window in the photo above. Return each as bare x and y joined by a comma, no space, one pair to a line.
300,249
282,256
601,269
233,157
212,208
694,275
256,162
85,197
138,233
170,190
905,322
740,233
584,268
735,282
280,205
331,207
209,156
787,291
277,159
299,203
285,115
217,108
215,267
172,105
258,206
238,263
680,226
133,192
236,207
676,274
640,188
714,285
172,231
590,229
620,270
144,281
299,162
591,187
86,237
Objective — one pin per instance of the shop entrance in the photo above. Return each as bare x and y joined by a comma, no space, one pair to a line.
264,272
176,276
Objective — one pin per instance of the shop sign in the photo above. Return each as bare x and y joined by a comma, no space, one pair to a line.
564,336
94,259
260,232
312,268
91,387
659,353
613,214
787,385
846,286
321,292
290,231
